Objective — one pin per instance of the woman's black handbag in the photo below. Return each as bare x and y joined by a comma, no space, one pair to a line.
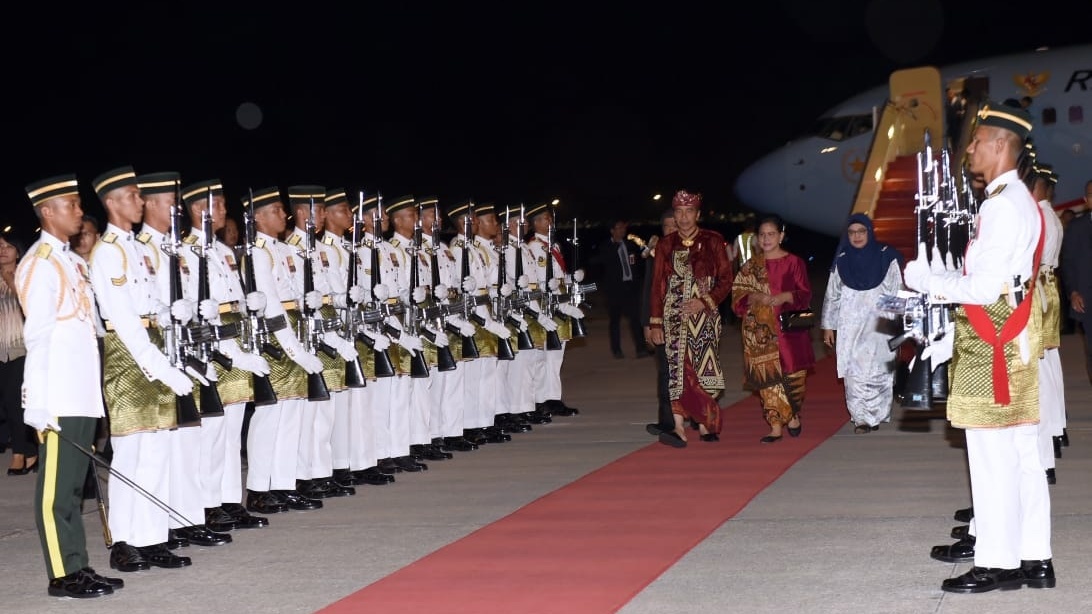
797,320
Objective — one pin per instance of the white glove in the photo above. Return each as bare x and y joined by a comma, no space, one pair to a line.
182,311
255,301
936,262
492,292
917,272
40,419
440,292
162,314
344,348
195,374
506,290
420,293
523,281
210,372
578,275
380,292
546,322
554,284
177,381
313,299
252,362
469,284
522,325
568,279
534,306
410,342
570,310
395,323
338,299
357,294
380,342
309,362
498,329
466,329
441,337
940,350
209,310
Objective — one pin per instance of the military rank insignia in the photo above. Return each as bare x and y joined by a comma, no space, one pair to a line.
230,260
291,264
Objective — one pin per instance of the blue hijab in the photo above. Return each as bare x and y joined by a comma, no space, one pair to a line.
863,268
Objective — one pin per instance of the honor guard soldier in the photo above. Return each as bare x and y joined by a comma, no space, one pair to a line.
140,383
303,248
160,192
994,378
518,261
349,409
58,304
274,436
414,421
448,392
547,374
220,472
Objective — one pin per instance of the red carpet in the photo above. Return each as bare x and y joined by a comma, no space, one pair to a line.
607,537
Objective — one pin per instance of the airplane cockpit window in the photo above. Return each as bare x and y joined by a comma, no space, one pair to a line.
1050,116
842,127
1076,114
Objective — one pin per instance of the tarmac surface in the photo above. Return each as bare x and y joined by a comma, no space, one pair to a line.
847,529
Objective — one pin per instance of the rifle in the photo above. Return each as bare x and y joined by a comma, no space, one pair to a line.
553,341
383,366
176,337
411,315
256,339
354,372
211,405
470,347
445,360
509,308
311,331
577,291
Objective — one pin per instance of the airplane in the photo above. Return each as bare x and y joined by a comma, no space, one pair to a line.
816,180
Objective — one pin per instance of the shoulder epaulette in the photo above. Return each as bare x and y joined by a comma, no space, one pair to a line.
190,240
328,240
144,237
997,190
293,240
259,242
109,238
395,242
44,250
457,243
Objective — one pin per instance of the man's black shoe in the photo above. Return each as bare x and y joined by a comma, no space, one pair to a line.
655,428
200,535
295,501
115,583
961,531
372,476
459,444
406,463
345,477
159,556
983,579
126,558
175,540
264,502
244,519
964,515
1057,440
80,585
388,466
671,438
960,552
216,519
1038,574
1051,477
331,488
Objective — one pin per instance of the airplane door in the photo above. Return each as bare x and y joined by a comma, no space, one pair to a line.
918,93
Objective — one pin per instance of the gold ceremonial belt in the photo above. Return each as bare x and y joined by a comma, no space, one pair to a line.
327,299
145,322
231,307
290,305
481,293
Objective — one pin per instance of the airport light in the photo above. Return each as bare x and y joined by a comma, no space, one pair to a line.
656,197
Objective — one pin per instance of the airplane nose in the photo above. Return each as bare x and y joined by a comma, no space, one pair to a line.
761,186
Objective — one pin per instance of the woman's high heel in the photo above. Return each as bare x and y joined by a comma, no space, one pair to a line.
795,431
26,468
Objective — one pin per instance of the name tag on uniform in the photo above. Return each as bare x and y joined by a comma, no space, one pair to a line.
291,264
230,260
148,265
394,259
324,259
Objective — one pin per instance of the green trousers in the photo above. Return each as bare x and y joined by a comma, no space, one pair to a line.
57,500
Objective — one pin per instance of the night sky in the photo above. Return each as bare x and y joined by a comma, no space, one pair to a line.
517,102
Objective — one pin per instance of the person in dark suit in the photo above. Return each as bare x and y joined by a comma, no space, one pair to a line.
665,422
1077,274
622,283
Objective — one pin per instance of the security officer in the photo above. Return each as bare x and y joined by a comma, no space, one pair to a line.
58,303
995,383
140,383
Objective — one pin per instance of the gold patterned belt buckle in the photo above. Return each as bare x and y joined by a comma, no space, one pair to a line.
290,305
144,323
230,307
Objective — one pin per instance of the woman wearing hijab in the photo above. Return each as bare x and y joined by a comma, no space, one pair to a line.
863,270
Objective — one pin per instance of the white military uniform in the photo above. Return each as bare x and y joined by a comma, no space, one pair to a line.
546,373
126,291
347,403
448,392
522,394
373,431
1052,418
481,374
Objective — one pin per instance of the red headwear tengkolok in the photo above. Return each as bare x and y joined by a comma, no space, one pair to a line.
686,199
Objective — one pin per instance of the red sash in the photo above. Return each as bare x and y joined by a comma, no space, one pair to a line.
1017,320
